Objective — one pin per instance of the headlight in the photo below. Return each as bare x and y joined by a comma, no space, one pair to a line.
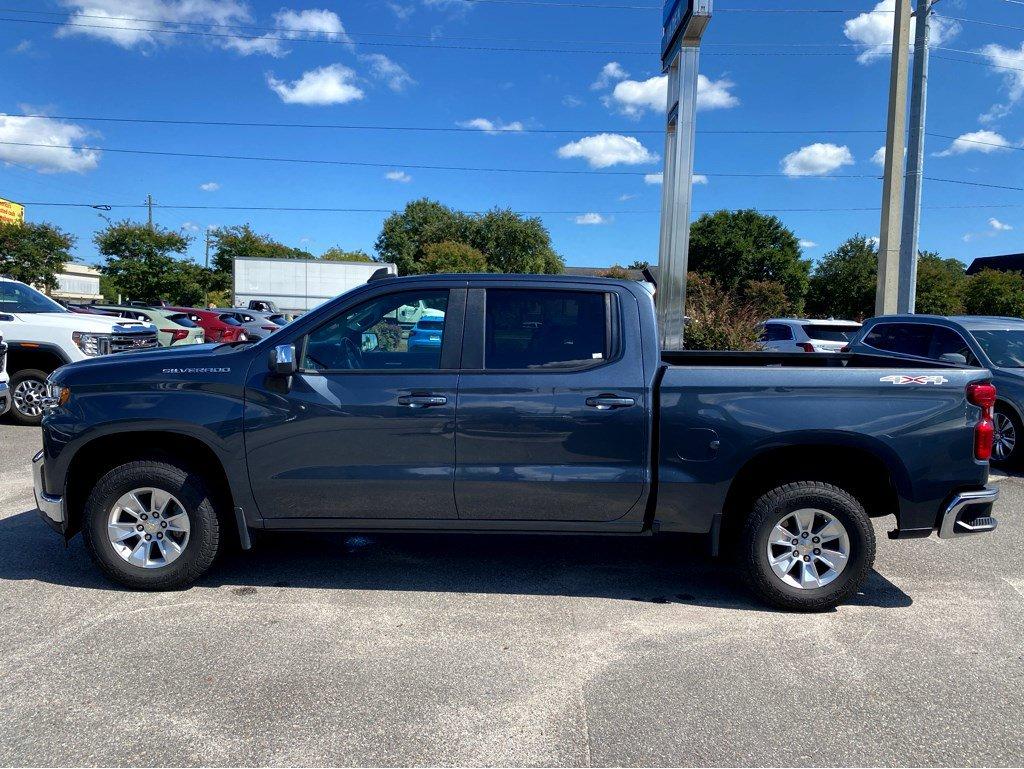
56,395
92,344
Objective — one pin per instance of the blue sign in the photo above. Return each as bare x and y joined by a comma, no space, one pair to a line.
674,16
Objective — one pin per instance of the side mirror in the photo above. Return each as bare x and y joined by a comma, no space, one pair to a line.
370,342
282,360
953,357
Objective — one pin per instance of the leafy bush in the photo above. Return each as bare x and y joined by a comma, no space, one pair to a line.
717,319
450,256
995,293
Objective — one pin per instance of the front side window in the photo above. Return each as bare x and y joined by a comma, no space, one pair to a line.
946,341
17,297
534,329
373,336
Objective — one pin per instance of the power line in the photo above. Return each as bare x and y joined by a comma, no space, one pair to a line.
976,141
439,129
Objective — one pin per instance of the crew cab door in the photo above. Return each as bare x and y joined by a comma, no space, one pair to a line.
366,429
552,412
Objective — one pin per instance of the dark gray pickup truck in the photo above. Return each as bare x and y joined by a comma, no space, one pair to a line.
526,404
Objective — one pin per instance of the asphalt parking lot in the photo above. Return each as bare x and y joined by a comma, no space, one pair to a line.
477,650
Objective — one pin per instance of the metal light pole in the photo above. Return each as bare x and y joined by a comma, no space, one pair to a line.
892,186
907,295
684,24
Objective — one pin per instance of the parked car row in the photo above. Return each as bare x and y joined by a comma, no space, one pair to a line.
38,335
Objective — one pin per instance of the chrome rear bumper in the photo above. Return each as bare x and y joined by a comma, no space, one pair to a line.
50,508
969,512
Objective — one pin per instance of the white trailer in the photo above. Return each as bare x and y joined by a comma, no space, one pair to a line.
298,285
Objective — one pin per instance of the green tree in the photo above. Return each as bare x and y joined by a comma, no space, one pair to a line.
994,293
940,284
844,281
736,247
140,264
717,318
767,298
338,254
241,240
617,271
508,241
449,256
34,253
638,264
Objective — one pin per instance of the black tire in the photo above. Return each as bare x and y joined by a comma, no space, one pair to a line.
769,509
27,374
1012,459
204,542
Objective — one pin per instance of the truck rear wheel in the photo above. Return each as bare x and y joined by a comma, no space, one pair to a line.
807,546
28,396
151,525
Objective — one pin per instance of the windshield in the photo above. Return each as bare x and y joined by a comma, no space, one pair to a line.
230,320
1005,348
182,320
831,333
17,297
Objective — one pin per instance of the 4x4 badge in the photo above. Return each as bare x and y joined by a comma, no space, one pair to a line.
902,379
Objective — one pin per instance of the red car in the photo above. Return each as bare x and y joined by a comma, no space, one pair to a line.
217,326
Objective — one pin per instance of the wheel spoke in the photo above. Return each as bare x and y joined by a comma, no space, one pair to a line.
804,519
808,576
119,532
178,523
781,536
140,555
833,559
158,501
831,530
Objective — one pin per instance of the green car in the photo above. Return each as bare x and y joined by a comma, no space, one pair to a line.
173,328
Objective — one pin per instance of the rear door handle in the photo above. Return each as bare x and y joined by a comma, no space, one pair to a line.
422,401
606,402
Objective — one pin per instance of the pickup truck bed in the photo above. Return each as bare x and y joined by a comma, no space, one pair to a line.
544,405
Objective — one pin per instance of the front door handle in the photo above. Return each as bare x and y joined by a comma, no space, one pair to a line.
422,401
606,402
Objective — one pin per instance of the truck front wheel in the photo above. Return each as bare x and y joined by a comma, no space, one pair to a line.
28,396
807,546
152,525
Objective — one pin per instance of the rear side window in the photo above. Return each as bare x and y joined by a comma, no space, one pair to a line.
831,333
776,332
534,329
182,320
904,338
229,319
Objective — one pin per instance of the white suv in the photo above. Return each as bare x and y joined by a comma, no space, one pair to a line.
5,390
42,336
799,335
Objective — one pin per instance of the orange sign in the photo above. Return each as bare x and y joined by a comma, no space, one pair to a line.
11,212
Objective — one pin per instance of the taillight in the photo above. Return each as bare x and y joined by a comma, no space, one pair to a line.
983,395
214,335
805,346
177,334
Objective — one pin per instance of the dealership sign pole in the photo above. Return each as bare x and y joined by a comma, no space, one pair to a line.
684,23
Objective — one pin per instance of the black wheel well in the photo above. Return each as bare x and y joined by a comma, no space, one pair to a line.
97,457
856,470
20,358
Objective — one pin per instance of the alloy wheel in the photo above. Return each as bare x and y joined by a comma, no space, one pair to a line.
808,548
148,528
1005,439
29,396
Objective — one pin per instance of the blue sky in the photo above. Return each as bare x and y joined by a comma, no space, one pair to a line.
432,63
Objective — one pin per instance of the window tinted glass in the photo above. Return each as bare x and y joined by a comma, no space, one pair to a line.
831,333
544,329
776,332
905,338
182,320
229,319
947,341
371,337
17,297
1005,348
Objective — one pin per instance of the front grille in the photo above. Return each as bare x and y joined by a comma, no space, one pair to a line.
131,342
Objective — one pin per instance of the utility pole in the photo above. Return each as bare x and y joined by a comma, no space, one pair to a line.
915,161
684,23
892,186
149,205
206,293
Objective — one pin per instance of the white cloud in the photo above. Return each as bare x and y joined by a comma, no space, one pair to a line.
590,219
999,226
657,178
1008,62
634,97
389,71
879,157
872,31
985,142
398,176
115,21
603,150
209,186
610,72
816,160
291,25
572,102
627,196
807,244
52,139
491,126
190,227
332,84
25,46
698,179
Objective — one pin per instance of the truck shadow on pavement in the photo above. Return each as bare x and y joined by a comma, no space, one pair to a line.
662,570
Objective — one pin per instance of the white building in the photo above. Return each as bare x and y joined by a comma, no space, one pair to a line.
298,285
77,283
